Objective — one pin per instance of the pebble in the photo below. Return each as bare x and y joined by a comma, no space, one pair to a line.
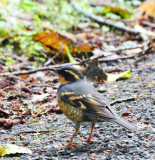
3,131
102,89
121,157
130,135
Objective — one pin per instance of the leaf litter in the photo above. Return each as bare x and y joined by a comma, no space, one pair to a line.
29,101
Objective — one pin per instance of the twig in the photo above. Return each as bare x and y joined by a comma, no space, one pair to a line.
139,59
42,85
147,23
101,20
38,69
56,55
65,64
115,59
33,131
145,43
124,48
122,100
25,72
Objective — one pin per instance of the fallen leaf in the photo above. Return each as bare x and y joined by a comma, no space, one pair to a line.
4,29
114,77
2,121
39,98
5,123
8,125
126,114
24,76
15,106
115,12
6,149
4,113
148,7
54,40
71,59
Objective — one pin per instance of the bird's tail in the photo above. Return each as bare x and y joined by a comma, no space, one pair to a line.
125,124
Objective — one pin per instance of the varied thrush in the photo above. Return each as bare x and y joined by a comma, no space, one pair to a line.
80,102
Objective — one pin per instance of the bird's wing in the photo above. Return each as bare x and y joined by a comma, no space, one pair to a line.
86,98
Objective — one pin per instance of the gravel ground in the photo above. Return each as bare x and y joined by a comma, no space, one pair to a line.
111,141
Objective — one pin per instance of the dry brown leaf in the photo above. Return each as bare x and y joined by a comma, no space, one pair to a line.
4,113
5,123
24,76
126,114
54,40
148,7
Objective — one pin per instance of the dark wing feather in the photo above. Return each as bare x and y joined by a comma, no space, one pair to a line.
81,94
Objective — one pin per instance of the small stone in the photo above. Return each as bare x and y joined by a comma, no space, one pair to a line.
120,145
130,135
39,75
95,85
131,151
3,132
121,157
102,89
152,150
152,68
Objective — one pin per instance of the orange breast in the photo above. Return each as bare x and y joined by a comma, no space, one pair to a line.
71,112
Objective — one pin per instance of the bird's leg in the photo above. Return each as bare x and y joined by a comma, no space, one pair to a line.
71,140
89,139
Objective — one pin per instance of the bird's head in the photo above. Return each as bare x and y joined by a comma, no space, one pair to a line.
69,74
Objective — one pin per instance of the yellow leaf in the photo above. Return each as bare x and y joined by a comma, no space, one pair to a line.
13,149
71,59
114,77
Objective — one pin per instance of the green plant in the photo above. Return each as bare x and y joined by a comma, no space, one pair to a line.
8,61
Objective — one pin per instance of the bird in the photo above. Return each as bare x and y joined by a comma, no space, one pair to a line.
81,103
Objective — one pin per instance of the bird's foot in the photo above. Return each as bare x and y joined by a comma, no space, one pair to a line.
87,140
71,145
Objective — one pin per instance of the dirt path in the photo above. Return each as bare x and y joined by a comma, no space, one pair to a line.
50,133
